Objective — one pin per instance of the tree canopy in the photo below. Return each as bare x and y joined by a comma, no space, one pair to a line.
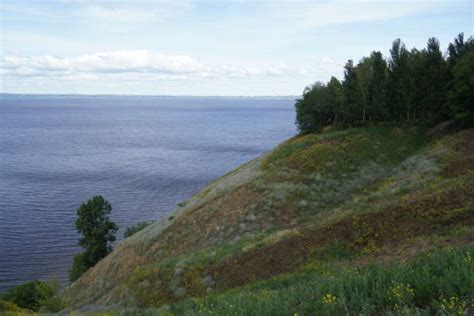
98,234
407,86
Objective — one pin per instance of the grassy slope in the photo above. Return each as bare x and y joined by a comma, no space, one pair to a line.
317,205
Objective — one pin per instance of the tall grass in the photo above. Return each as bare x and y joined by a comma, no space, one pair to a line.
441,282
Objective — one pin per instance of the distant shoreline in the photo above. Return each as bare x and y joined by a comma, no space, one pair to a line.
15,95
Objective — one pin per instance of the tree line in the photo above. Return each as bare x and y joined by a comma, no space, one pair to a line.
409,85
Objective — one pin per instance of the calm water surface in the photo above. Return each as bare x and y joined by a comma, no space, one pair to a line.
143,154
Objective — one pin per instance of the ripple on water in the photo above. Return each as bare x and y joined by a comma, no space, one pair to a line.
144,155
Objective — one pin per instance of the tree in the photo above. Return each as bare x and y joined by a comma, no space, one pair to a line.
335,98
312,111
98,233
306,119
377,95
398,81
420,84
460,98
363,73
435,75
459,48
350,110
459,86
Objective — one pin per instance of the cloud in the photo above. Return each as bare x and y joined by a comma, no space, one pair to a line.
314,14
132,62
120,14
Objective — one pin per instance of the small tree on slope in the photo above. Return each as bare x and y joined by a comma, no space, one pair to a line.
98,233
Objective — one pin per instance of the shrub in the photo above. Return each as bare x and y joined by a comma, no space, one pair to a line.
33,295
9,308
135,228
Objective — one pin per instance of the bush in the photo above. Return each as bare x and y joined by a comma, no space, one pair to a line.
33,295
9,308
135,228
79,267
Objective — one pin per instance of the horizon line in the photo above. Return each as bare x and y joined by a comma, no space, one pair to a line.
145,95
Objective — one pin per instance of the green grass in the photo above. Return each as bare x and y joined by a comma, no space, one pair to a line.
441,283
346,151
354,198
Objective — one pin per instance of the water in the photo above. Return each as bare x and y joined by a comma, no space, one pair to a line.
143,154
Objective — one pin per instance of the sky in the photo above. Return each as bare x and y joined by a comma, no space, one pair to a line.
211,47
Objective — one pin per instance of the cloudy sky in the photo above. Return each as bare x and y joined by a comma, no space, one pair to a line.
211,47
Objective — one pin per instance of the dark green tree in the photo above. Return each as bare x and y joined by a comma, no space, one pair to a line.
335,99
459,48
306,120
415,85
435,77
312,111
98,234
398,81
418,83
458,79
351,112
377,89
460,99
363,73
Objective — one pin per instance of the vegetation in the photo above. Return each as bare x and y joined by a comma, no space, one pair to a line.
11,309
408,86
372,215
367,197
439,282
135,229
98,233
34,295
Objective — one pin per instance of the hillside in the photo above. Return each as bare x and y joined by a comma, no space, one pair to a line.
306,228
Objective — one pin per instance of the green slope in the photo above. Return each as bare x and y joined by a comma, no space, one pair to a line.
328,220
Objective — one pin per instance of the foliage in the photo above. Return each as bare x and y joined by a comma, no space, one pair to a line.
160,284
33,295
441,282
375,194
11,309
461,96
340,152
79,267
410,85
135,229
98,233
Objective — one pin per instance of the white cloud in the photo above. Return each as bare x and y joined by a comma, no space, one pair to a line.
314,14
134,12
120,14
132,63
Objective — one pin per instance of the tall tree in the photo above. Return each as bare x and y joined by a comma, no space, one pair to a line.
377,89
435,75
307,118
335,98
350,110
460,98
398,81
459,48
418,83
456,80
363,73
